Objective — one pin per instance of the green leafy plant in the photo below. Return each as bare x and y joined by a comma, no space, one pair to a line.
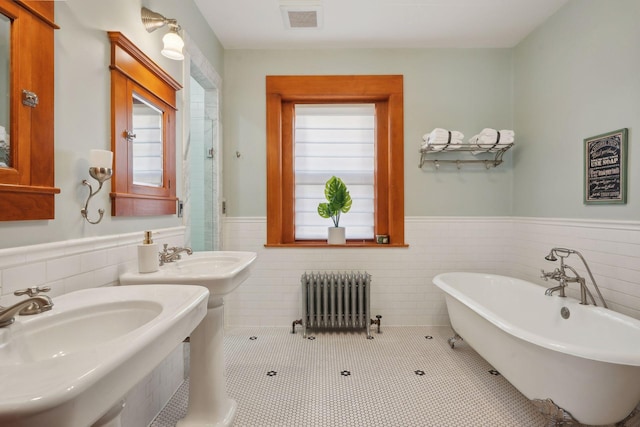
338,200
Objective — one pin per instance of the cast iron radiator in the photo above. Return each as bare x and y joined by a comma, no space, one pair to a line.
336,301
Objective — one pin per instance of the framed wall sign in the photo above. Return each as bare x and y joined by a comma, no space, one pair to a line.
605,168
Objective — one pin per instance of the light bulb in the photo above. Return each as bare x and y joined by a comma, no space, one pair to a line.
173,45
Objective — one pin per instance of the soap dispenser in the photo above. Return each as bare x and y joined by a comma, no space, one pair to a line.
148,255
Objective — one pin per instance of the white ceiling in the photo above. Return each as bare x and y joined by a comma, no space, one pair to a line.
258,24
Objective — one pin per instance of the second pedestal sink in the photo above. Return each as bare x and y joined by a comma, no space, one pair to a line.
221,272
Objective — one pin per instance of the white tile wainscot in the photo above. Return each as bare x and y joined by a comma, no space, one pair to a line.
612,249
402,289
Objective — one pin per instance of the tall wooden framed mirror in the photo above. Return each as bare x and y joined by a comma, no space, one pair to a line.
26,110
143,133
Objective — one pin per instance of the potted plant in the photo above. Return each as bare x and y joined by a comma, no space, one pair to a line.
338,202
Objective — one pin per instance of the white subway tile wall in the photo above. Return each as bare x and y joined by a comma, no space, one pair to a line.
402,289
153,392
403,292
611,248
74,264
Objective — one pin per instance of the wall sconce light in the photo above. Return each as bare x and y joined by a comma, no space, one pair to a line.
100,162
172,41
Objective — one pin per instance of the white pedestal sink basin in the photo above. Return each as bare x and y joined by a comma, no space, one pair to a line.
221,272
69,366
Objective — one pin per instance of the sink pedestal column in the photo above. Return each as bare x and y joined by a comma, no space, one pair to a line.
209,404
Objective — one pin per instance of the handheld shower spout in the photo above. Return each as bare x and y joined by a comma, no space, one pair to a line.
551,256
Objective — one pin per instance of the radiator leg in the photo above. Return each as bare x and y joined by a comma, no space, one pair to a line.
452,341
378,321
293,325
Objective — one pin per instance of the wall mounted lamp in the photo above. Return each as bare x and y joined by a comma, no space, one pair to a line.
172,41
100,162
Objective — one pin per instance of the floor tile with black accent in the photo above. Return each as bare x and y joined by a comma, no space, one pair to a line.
405,376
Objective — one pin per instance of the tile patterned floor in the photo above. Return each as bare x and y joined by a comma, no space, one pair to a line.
405,376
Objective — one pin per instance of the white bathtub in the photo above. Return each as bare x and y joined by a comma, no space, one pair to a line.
588,364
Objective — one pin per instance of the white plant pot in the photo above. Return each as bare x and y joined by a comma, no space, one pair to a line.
336,236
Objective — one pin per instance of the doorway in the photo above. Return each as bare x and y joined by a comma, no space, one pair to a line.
202,155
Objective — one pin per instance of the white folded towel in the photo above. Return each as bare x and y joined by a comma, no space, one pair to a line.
482,140
445,133
492,139
442,145
494,132
441,139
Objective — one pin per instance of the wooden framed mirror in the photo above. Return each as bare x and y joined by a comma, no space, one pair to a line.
26,117
143,133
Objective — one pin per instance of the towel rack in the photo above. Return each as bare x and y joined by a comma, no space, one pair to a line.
434,149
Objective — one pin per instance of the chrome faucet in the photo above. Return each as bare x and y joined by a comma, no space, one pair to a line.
33,305
560,275
32,292
172,254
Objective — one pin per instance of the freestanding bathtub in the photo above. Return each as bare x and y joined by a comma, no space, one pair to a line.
588,364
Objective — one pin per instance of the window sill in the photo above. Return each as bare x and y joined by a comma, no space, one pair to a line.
323,244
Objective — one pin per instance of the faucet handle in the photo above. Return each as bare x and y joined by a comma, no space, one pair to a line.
35,307
544,275
32,291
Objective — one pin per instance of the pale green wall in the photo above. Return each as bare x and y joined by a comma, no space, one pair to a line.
82,108
461,89
576,76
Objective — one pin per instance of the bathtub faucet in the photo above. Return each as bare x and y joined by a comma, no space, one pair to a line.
560,274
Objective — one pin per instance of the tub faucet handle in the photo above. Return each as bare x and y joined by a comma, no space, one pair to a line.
555,275
543,275
548,274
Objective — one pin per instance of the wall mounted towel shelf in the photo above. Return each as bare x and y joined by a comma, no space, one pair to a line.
436,149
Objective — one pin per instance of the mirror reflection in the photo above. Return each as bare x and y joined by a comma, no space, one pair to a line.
5,90
147,143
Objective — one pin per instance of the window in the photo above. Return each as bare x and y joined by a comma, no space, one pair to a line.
296,164
334,139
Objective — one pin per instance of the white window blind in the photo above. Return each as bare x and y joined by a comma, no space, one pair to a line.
334,139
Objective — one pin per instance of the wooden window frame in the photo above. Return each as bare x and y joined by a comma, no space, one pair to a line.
386,92
133,72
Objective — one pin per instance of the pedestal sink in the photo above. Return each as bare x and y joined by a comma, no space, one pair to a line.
70,366
220,272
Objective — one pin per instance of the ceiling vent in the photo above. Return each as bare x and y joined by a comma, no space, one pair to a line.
300,14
